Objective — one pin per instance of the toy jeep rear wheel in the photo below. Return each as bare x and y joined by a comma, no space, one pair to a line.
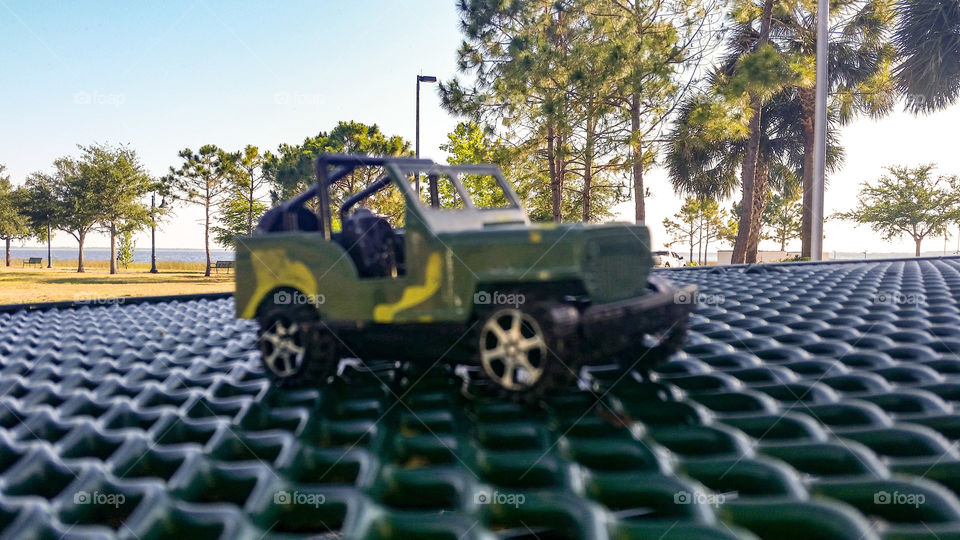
294,348
527,352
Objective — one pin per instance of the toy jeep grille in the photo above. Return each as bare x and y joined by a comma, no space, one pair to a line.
612,263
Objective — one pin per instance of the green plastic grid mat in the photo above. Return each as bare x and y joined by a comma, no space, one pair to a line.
810,401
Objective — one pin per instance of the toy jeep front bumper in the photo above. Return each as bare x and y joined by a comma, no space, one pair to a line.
611,331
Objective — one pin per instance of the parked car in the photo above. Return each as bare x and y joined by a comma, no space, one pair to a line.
667,259
457,273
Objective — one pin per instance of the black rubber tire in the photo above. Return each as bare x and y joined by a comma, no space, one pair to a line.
320,352
558,325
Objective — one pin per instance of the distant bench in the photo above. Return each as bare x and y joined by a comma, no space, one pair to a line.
32,260
226,265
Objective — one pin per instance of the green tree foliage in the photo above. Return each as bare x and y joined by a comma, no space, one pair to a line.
908,201
653,52
233,217
781,217
685,225
707,145
243,204
121,183
250,180
42,208
698,223
765,82
291,170
860,81
715,225
928,38
126,247
76,199
13,222
203,178
580,87
470,142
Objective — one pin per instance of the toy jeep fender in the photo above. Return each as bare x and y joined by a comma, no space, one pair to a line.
456,274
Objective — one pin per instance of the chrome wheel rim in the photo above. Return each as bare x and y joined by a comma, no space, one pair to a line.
513,351
282,348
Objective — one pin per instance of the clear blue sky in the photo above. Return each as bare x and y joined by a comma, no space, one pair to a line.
166,75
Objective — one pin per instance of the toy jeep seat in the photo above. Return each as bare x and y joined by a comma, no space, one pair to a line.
371,243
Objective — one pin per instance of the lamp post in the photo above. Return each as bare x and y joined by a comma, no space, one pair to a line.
420,79
820,132
153,230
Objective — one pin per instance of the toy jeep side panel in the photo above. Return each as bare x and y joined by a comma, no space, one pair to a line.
325,276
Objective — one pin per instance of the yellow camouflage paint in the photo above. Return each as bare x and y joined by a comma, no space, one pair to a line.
272,268
414,294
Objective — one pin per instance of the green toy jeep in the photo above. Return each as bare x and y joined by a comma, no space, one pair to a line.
453,271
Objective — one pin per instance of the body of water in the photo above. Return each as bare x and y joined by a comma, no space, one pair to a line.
139,255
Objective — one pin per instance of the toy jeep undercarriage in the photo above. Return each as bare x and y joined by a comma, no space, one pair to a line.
451,271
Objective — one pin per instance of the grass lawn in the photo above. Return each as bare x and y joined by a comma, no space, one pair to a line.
62,282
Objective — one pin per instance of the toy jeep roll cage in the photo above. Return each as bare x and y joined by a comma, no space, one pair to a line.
293,215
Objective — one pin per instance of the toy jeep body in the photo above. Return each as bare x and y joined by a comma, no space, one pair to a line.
460,276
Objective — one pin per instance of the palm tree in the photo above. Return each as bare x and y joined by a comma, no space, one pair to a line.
860,61
704,165
927,37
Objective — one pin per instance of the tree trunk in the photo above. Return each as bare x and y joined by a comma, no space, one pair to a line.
7,241
761,181
49,250
554,174
80,238
206,232
588,169
706,243
639,193
807,106
918,240
250,208
748,172
113,248
700,238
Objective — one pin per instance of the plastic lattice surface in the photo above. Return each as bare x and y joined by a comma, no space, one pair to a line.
810,401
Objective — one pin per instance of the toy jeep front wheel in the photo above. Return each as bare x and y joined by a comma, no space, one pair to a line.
294,349
526,352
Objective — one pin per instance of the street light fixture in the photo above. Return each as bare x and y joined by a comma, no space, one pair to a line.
420,79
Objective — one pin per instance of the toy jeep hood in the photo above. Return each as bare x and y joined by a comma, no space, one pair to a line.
612,261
